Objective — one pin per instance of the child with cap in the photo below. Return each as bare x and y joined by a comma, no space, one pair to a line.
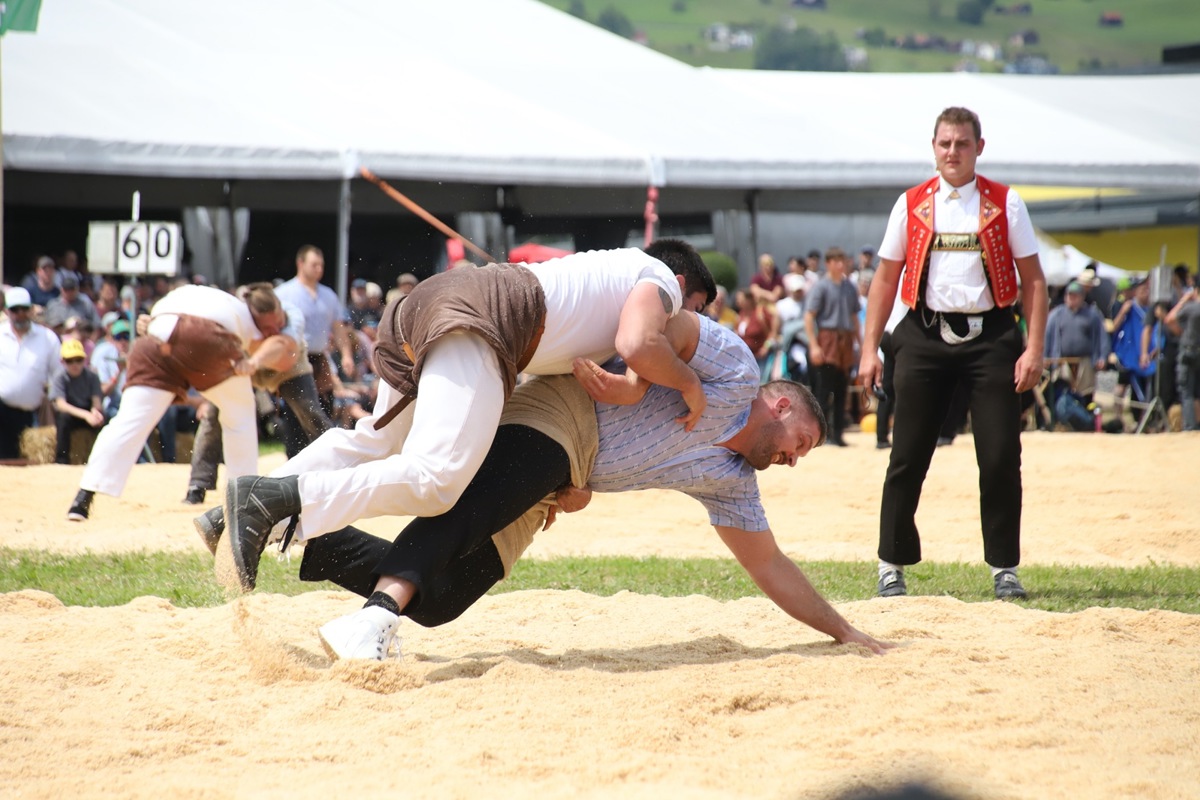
75,394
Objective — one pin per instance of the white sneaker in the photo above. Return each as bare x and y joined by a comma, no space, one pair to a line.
366,634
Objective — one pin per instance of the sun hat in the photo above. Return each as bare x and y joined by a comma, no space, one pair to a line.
73,348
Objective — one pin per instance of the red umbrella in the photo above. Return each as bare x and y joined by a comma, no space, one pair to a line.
532,253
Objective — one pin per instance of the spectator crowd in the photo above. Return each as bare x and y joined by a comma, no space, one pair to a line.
805,322
65,335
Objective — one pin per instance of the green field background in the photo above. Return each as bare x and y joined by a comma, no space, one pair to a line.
1070,35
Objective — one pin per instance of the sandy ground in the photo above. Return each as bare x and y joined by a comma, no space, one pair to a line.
549,694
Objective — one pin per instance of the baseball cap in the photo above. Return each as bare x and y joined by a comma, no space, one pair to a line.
17,296
374,289
408,278
73,348
109,318
867,250
120,326
1075,287
793,282
359,283
70,282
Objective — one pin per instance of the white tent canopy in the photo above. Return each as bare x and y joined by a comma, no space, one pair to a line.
514,92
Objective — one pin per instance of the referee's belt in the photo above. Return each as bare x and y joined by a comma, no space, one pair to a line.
956,241
957,328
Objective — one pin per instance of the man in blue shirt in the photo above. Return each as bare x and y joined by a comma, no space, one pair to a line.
326,326
550,441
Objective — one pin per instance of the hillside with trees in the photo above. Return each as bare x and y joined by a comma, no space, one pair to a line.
1034,36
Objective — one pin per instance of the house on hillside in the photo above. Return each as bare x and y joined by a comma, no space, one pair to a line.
1025,38
741,40
717,36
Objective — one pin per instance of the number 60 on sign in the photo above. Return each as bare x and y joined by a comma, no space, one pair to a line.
134,248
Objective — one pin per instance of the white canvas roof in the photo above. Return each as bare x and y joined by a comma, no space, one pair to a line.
1128,131
512,91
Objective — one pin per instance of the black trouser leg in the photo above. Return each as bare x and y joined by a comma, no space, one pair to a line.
168,426
956,417
13,421
522,467
883,411
1168,387
290,430
839,380
924,386
304,411
207,451
348,558
63,425
996,426
831,393
439,555
927,372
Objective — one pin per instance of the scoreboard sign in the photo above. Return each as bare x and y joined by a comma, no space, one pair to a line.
134,248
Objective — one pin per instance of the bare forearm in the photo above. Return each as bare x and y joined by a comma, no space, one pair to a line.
345,339
63,407
655,360
1036,305
782,581
788,587
275,352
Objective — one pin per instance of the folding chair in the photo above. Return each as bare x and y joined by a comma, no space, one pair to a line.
1152,410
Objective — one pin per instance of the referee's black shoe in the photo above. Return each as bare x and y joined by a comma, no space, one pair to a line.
253,505
1008,587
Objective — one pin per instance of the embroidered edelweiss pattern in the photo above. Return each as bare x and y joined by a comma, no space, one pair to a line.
988,210
925,212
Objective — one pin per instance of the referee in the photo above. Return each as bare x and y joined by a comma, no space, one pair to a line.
959,249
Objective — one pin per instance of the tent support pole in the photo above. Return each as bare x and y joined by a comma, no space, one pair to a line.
343,240
752,205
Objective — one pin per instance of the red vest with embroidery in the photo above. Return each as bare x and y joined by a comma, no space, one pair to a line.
993,238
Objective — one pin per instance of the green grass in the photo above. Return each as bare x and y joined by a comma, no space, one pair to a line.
186,580
111,579
1070,35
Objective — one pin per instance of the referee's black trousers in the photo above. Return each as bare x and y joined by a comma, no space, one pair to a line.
927,370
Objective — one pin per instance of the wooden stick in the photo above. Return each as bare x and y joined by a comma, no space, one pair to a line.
422,213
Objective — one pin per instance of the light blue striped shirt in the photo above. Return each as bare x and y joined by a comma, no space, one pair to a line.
643,447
